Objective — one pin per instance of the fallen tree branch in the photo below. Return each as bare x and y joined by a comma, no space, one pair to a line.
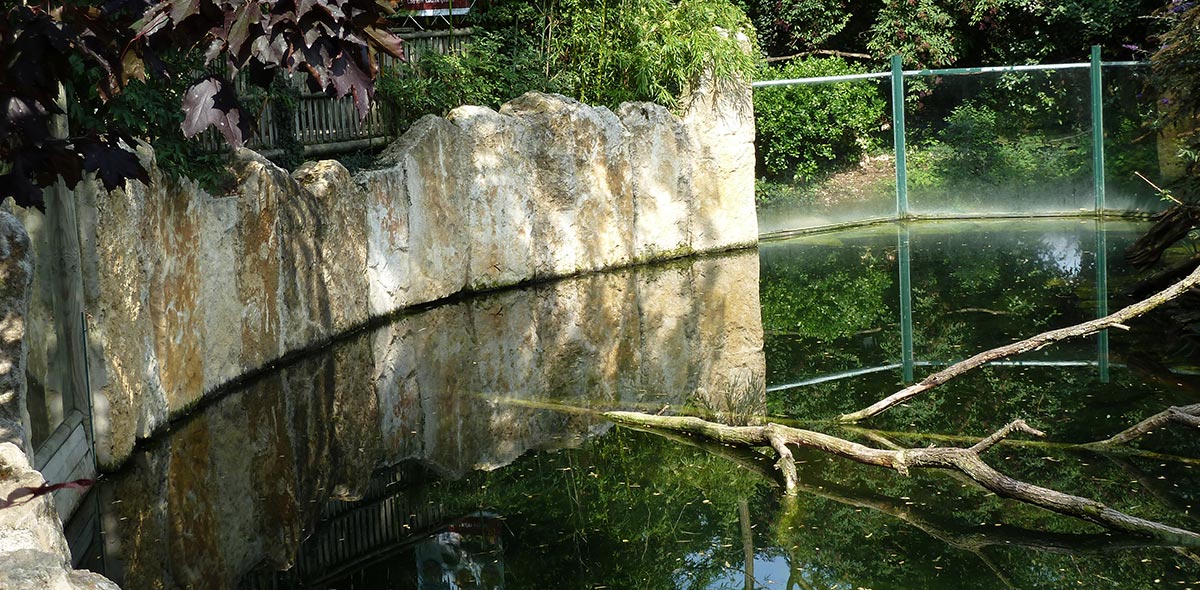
989,442
963,460
1187,415
965,537
1169,227
832,52
1029,344
1158,280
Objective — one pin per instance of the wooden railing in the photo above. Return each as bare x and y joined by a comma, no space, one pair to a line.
324,125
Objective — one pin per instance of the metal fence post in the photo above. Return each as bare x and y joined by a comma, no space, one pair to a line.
898,137
1102,298
1097,129
906,319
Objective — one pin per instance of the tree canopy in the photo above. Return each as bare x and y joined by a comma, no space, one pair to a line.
44,48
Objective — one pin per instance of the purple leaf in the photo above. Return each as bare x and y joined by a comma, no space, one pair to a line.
348,78
305,6
111,163
386,41
24,494
212,101
246,18
182,9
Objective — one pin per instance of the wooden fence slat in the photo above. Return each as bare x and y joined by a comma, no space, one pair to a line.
322,120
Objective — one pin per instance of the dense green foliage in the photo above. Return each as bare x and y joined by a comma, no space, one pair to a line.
1176,67
939,33
801,130
827,305
45,48
598,51
486,73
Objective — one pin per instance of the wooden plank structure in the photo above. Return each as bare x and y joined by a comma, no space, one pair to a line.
325,125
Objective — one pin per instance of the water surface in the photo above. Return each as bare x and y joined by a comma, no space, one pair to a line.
460,448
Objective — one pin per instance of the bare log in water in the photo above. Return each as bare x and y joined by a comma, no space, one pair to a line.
1186,415
964,460
1029,344
1169,227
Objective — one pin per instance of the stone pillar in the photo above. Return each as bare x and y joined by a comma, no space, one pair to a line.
16,277
719,116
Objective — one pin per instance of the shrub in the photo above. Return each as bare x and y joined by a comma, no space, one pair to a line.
485,74
802,130
974,140
602,52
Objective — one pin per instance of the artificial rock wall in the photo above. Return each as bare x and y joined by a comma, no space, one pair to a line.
471,385
185,291
33,550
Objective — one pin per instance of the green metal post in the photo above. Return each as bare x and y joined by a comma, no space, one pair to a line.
898,137
1097,129
906,320
1102,297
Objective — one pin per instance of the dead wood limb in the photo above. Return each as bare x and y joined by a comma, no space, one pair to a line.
1029,344
1169,227
979,310
960,440
832,52
966,461
989,442
1188,415
965,537
1163,278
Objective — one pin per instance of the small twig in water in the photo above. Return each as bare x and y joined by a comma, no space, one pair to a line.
1003,433
1184,415
1164,193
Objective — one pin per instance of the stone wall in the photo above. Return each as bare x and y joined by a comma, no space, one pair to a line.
470,385
185,291
33,550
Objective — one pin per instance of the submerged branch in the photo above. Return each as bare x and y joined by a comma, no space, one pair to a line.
1003,433
1187,415
1027,345
966,537
964,460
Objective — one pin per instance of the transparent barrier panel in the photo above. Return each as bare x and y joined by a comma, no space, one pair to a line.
825,154
1132,145
980,284
829,305
1010,143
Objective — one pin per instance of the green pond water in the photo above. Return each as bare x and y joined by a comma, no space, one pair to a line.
460,447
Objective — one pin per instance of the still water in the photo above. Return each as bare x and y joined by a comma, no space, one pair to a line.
460,447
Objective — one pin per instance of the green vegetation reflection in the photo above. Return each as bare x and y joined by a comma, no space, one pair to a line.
636,510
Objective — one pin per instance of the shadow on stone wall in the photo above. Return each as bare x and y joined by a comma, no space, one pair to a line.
472,385
184,292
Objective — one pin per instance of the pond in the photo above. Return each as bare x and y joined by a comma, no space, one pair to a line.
461,447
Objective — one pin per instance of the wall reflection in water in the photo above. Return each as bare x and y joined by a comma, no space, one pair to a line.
467,386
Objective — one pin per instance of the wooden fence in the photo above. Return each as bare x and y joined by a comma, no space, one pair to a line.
324,125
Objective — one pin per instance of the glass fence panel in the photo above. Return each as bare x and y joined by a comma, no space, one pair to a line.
830,306
999,143
1132,145
979,284
825,154
863,310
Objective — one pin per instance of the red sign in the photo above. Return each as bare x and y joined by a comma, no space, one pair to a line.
435,7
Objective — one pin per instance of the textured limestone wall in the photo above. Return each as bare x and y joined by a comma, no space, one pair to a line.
471,385
33,550
186,291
